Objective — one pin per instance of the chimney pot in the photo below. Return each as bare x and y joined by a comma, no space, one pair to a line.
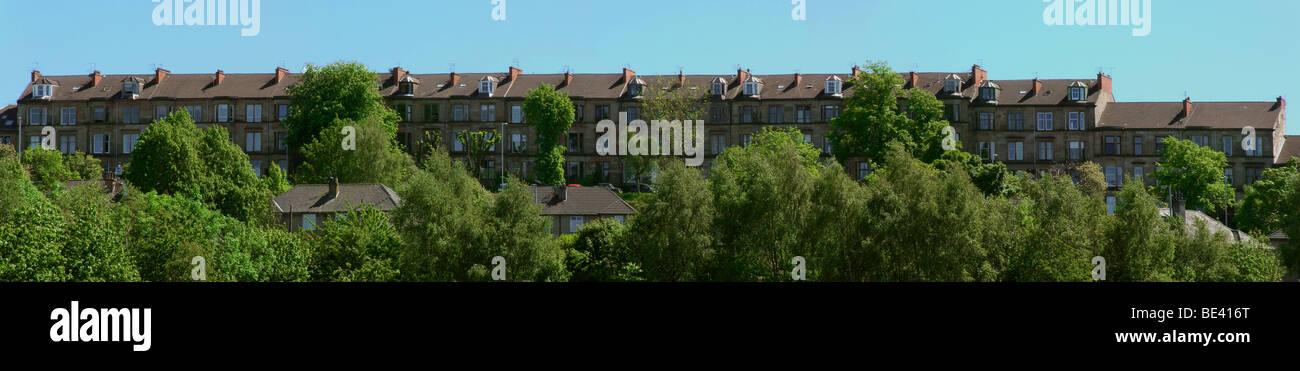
681,78
568,78
159,74
798,79
856,70
1038,86
741,75
913,78
95,78
1187,106
334,188
1104,82
455,79
563,192
36,75
978,74
221,76
515,72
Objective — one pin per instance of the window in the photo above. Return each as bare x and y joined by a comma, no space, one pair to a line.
281,112
620,219
487,112
1201,140
1076,121
458,112
1227,175
485,87
717,143
833,86
1253,175
1044,121
1137,146
36,116
406,88
602,112
747,114
253,142
223,113
517,114
1110,205
1114,176
574,143
308,222
745,139
257,167
1260,143
282,142
803,114
42,90
431,113
717,114
1227,145
1078,93
986,121
575,223
827,144
67,144
283,164
458,146
131,115
864,169
575,170
952,86
602,170
807,138
577,112
253,113
718,88
1045,151
518,142
751,88
1016,151
99,144
633,113
1016,121
1111,146
830,112
68,116
159,112
403,111
989,93
775,114
196,113
128,142
99,113
954,112
131,88
988,151
33,141
1139,173
1076,150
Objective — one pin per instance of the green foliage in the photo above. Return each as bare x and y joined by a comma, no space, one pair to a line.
478,148
326,95
361,245
551,114
1261,210
1061,229
872,119
672,236
1196,172
374,159
95,246
992,179
31,230
838,228
600,253
47,169
1092,181
84,166
276,183
1140,248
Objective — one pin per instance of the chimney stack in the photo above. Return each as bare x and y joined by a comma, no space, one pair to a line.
856,70
798,79
913,78
159,74
568,78
1038,87
334,188
1281,104
628,75
515,72
681,78
455,79
221,76
95,78
562,193
741,75
978,74
1103,83
1187,106
398,74
280,73
36,75
1179,207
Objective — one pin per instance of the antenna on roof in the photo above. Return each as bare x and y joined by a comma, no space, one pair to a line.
564,69
92,67
452,67
515,62
980,62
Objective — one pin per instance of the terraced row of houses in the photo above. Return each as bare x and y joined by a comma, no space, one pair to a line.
1035,125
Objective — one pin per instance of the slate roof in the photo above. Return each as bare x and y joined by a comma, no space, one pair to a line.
312,198
1290,148
581,201
1169,115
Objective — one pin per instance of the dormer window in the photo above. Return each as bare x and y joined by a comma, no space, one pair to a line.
952,85
1078,92
42,90
989,91
636,88
407,86
834,86
719,87
131,87
486,86
752,86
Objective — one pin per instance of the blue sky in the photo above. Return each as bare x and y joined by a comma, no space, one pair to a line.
1211,50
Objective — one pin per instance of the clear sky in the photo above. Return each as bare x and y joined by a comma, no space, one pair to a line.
1210,50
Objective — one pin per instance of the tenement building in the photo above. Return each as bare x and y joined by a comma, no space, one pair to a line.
1036,125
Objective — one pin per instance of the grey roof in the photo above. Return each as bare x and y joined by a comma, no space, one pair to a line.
1169,115
1214,226
313,198
1290,148
1053,92
581,201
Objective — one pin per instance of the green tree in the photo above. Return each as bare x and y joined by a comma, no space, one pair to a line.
1194,171
354,151
326,95
766,188
600,252
1260,211
479,147
95,246
230,185
1092,181
31,228
665,99
84,166
166,157
551,114
1140,249
672,236
1061,228
837,229
47,168
872,118
361,245
518,233
276,183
